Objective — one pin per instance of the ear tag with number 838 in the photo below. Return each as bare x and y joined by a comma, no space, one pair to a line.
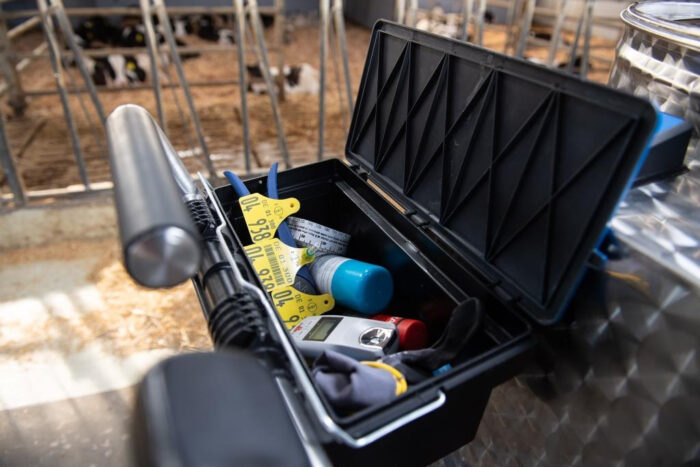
263,215
293,306
276,263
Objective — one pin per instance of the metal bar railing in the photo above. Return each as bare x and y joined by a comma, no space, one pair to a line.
50,10
467,11
153,56
166,30
133,87
480,20
240,42
133,11
324,12
105,51
587,38
8,61
256,23
525,28
340,32
556,35
59,76
69,38
14,182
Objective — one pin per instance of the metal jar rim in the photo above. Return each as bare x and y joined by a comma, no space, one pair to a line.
662,19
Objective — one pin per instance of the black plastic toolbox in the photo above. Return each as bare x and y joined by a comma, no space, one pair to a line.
470,174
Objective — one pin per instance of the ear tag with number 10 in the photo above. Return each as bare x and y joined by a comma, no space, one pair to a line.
276,263
263,215
293,306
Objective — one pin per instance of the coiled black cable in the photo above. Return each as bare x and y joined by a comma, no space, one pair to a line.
235,318
236,321
203,220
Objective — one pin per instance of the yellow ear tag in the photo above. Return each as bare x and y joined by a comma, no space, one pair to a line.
263,215
276,263
131,66
293,306
139,38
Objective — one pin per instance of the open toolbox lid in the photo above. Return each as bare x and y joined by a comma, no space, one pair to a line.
519,167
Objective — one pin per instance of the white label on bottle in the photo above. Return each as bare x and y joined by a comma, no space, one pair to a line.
323,269
322,238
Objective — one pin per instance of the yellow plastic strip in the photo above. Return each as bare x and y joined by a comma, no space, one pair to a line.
401,384
293,306
276,263
263,215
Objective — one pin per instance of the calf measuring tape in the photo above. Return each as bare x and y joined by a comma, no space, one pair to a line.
277,264
322,238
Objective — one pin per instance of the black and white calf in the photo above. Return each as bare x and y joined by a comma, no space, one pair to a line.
96,32
301,79
118,70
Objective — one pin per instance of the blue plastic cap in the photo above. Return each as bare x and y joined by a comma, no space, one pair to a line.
363,287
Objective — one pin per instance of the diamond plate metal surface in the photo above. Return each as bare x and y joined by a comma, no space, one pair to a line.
618,381
617,384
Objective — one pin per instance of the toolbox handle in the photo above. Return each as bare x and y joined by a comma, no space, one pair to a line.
297,368
160,243
404,420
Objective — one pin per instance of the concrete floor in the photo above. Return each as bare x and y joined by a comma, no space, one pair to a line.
90,430
76,336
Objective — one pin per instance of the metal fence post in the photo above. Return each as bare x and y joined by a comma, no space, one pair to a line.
340,31
400,11
510,19
67,31
525,28
467,8
412,16
240,43
7,65
8,167
279,39
154,57
577,36
167,31
255,22
324,7
55,54
587,38
480,15
556,35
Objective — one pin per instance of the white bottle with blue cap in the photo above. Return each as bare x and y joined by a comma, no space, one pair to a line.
362,287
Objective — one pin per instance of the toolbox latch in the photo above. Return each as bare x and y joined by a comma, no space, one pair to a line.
597,260
608,249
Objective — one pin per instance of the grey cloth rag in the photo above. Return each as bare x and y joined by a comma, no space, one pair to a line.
351,385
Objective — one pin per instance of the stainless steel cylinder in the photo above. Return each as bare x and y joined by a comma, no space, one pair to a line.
658,57
161,245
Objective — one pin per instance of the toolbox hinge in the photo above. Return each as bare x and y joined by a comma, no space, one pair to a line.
504,295
359,171
417,219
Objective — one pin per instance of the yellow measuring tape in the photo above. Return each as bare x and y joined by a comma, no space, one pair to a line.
401,385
